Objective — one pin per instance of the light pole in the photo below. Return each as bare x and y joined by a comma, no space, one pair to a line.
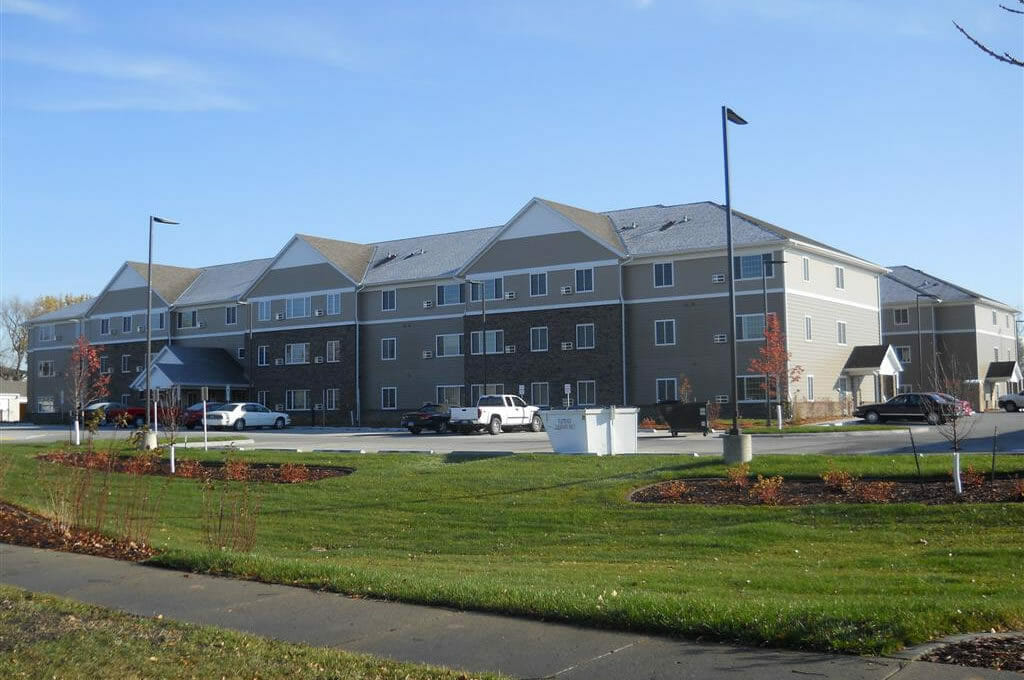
149,317
778,388
730,116
920,343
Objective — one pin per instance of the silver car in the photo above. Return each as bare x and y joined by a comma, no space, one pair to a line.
242,414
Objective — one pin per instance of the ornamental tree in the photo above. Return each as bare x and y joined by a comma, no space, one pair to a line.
86,381
773,361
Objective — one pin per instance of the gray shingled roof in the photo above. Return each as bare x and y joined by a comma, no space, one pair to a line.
866,356
14,387
74,311
168,282
1000,369
222,282
597,224
210,366
425,257
902,284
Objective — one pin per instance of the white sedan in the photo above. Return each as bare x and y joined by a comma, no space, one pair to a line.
239,415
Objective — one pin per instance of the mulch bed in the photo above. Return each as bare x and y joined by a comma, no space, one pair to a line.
1000,653
278,473
21,527
718,491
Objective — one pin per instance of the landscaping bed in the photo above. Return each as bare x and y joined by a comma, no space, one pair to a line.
237,471
21,527
999,653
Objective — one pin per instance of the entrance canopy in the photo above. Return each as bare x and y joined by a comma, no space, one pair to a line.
193,367
873,360
1004,371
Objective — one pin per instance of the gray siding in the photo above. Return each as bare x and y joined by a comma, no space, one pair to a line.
541,251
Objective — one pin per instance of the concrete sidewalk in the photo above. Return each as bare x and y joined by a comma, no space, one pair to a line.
465,640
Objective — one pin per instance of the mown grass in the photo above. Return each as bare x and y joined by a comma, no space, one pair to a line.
556,537
48,637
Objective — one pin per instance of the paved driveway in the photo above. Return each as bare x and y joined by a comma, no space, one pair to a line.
928,439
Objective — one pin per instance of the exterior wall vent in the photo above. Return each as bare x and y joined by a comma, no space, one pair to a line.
318,360
427,304
279,362
718,278
428,354
566,345
510,349
566,290
721,338
510,295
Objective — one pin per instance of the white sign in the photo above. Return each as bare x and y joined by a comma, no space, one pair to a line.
522,390
567,387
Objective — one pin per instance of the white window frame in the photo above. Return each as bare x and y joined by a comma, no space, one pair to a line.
480,288
672,325
540,277
742,397
126,324
46,404
534,397
46,333
389,390
901,311
807,269
289,353
672,394
289,307
475,338
126,363
593,280
904,350
333,351
105,326
332,304
579,399
547,342
741,326
105,365
386,295
241,353
762,259
230,315
262,397
331,395
441,293
385,342
441,339
290,399
48,364
476,390
840,279
808,329
441,397
261,356
841,337
671,274
995,320
593,333
810,388
263,311
843,386
160,325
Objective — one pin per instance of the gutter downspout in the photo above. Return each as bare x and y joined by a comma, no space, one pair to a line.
622,326
359,407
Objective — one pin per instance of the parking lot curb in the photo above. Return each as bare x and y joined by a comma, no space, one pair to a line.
217,444
400,451
338,450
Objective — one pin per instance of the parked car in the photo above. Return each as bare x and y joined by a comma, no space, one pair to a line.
965,406
428,417
495,412
240,415
106,406
1011,403
193,416
130,415
927,406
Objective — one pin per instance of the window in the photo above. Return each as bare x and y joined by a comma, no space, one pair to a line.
807,269
494,289
842,386
262,397
539,339
104,364
586,392
585,336
296,353
540,394
331,398
388,300
334,303
126,363
495,342
230,315
45,333
126,324
750,388
296,400
297,307
45,405
585,280
903,353
666,389
388,349
451,395
126,397
840,278
663,275
105,326
994,322
261,355
810,388
905,388
841,332
538,284
188,319
750,326
449,345
263,310
45,369
751,266
901,317
492,388
451,294
1007,320
158,321
241,352
808,332
665,332
389,398
995,354
333,351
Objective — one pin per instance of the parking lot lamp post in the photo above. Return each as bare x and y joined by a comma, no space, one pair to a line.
920,343
483,334
149,315
778,386
730,116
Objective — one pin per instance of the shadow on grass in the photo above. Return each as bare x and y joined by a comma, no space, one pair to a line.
456,457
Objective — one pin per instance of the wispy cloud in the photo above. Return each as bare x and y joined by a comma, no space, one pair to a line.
38,10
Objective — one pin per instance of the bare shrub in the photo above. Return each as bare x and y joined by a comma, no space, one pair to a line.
714,413
677,488
971,477
738,476
875,492
767,490
1018,489
230,514
293,473
76,490
190,469
140,498
836,480
236,470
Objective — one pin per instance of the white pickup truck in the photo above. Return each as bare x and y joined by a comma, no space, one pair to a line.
1012,402
494,412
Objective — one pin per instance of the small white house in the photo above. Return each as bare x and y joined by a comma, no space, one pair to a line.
13,393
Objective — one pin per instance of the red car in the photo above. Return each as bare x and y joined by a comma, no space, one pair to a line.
193,416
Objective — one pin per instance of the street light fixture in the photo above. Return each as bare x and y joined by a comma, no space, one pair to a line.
730,116
149,316
778,387
483,334
920,344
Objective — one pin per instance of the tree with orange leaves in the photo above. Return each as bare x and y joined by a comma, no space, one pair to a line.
86,379
773,362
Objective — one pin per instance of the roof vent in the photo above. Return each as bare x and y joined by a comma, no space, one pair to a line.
631,225
384,260
686,218
414,253
666,225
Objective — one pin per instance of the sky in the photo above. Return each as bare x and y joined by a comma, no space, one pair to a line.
874,125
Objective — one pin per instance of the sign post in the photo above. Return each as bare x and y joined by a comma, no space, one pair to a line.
206,440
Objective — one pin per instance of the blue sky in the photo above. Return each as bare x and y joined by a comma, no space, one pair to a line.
874,126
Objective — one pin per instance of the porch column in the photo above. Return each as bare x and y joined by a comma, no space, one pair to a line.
895,384
227,393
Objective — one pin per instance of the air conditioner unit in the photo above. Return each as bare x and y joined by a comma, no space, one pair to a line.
428,354
721,338
279,362
279,316
510,295
566,290
278,407
510,349
427,304
718,278
318,360
566,345
139,329
138,369
318,407
319,312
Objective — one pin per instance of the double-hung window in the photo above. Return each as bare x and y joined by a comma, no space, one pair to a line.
840,278
901,317
388,349
261,357
45,369
45,333
841,332
585,280
540,393
538,284
126,324
903,353
586,392
230,315
663,275
451,395
666,389
450,294
263,310
331,398
807,268
333,351
297,307
585,338
751,266
750,388
388,300
126,363
808,332
296,400
493,289
334,303
495,342
665,332
539,339
449,345
105,326
188,319
296,353
750,326
158,321
389,398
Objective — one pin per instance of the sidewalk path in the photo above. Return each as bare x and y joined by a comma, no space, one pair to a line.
466,640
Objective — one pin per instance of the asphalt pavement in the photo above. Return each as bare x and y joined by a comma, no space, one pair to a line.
466,640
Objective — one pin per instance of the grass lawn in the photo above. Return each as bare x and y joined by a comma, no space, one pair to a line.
49,637
555,537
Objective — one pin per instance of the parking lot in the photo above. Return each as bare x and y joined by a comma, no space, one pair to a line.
928,439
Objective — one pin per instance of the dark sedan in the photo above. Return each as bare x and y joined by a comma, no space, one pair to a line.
927,406
428,417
